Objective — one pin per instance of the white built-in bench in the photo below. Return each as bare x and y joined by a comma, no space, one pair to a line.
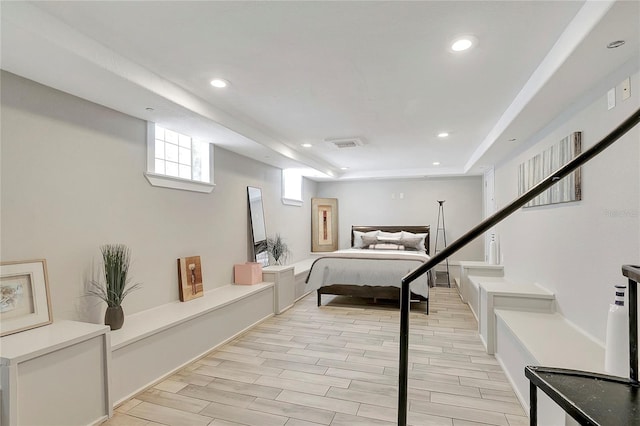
289,281
111,366
498,293
301,270
548,339
35,365
469,292
472,290
283,279
157,342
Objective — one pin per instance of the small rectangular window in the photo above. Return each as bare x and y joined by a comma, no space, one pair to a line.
292,187
175,160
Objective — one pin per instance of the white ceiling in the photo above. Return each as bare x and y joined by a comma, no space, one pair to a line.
304,72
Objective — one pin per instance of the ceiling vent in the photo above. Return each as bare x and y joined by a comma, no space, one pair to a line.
342,143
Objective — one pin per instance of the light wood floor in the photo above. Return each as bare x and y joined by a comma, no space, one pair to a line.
338,365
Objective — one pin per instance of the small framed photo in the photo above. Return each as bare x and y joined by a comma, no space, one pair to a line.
190,278
25,302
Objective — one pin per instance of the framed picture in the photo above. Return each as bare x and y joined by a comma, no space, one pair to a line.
324,224
190,278
25,302
538,168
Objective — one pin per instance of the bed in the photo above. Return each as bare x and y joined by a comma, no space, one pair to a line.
374,265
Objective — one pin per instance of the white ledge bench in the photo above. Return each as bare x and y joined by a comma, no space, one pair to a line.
156,342
36,364
498,293
548,339
301,271
289,282
469,292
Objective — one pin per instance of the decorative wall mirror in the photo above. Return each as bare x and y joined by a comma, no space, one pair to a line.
258,228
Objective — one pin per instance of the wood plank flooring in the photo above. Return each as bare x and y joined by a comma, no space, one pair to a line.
338,365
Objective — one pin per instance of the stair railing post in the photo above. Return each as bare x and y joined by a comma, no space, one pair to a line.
405,301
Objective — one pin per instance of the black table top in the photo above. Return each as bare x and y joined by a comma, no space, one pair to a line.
590,398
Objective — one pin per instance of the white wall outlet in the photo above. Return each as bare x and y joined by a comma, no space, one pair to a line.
626,88
611,98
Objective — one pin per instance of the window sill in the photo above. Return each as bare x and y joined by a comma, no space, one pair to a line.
290,202
178,183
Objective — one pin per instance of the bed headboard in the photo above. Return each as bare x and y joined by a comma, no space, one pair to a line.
419,229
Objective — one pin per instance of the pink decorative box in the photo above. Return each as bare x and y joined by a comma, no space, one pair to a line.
247,273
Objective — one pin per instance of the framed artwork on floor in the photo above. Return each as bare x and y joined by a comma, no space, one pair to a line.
324,224
190,278
25,302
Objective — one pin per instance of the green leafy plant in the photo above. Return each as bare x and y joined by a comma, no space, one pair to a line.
116,259
278,249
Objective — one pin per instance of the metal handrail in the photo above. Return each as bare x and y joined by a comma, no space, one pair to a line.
483,226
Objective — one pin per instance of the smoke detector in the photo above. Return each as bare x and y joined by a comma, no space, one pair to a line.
342,143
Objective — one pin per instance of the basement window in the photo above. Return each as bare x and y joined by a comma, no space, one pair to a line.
178,161
292,187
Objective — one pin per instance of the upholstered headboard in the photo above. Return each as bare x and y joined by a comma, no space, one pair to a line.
419,229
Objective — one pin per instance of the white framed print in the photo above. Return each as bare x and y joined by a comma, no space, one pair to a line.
24,290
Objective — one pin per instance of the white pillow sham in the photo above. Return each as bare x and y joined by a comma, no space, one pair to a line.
386,246
417,238
410,240
389,236
357,237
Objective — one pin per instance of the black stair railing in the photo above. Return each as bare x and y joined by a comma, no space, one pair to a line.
475,232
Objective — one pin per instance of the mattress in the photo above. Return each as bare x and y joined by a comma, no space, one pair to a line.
368,268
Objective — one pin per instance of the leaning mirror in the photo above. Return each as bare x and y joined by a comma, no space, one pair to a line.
258,229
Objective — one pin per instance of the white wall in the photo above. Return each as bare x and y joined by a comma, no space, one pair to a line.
378,202
576,249
72,180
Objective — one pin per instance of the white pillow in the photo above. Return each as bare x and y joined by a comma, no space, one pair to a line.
386,246
410,236
357,237
389,236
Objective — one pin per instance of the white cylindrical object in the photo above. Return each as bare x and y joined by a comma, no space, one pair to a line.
493,251
616,355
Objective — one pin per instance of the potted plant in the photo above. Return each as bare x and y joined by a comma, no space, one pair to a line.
278,249
116,260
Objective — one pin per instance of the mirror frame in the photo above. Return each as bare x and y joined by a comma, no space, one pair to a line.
257,219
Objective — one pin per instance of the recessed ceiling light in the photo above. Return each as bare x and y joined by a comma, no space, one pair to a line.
307,145
219,83
344,168
463,43
443,134
615,44
149,109
436,163
512,140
